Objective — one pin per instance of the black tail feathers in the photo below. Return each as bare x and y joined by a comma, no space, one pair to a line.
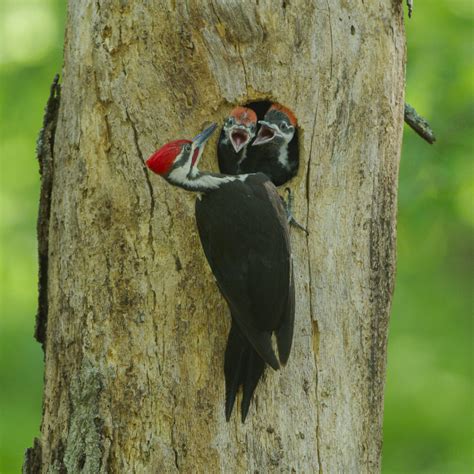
242,366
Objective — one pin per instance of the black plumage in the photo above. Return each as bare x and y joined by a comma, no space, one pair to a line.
244,234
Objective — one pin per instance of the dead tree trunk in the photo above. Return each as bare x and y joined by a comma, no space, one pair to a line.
136,328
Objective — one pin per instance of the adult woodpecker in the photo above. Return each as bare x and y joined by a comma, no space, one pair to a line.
275,152
238,130
244,233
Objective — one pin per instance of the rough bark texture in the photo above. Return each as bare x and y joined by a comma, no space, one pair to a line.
44,153
136,327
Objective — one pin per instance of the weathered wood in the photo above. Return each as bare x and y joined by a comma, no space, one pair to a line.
136,326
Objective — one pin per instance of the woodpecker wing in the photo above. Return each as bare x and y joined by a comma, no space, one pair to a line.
244,233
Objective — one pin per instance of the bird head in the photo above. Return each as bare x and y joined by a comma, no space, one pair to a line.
277,127
178,160
240,127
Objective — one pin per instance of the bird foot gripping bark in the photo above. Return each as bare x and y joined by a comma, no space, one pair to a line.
410,7
289,212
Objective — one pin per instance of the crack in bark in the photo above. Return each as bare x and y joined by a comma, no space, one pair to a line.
156,332
237,47
173,441
176,458
308,170
148,182
330,32
314,322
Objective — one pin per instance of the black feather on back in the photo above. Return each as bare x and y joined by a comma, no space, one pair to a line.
244,234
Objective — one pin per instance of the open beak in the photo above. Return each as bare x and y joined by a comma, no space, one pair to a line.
199,142
239,137
266,133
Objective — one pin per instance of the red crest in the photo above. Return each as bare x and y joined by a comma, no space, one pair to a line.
244,115
162,160
291,116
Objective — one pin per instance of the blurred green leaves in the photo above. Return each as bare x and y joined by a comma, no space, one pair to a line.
28,31
428,408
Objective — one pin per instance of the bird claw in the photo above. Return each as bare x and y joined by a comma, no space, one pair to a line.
410,7
289,213
295,223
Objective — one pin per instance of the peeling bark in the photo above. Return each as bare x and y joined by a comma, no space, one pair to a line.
32,462
45,155
136,326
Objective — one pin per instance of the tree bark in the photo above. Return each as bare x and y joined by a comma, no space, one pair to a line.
136,328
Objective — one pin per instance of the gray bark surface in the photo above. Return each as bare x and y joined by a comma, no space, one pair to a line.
136,328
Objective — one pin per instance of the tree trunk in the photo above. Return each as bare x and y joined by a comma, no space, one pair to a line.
136,328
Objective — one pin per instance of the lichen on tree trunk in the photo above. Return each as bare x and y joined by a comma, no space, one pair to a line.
136,327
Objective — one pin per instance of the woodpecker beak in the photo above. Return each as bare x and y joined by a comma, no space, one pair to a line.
239,137
199,142
266,133
201,139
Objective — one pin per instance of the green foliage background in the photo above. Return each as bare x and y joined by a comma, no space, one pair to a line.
428,403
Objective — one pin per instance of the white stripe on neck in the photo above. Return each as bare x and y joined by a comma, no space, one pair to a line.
242,158
283,157
198,181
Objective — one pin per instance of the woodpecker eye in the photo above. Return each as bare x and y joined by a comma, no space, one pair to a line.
187,147
230,121
283,125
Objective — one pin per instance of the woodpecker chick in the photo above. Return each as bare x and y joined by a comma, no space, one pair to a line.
275,152
237,132
244,232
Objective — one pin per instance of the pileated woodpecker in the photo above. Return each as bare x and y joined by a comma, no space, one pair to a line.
244,233
275,152
237,132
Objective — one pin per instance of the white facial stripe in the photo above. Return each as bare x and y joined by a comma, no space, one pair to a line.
179,176
286,135
186,165
193,171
